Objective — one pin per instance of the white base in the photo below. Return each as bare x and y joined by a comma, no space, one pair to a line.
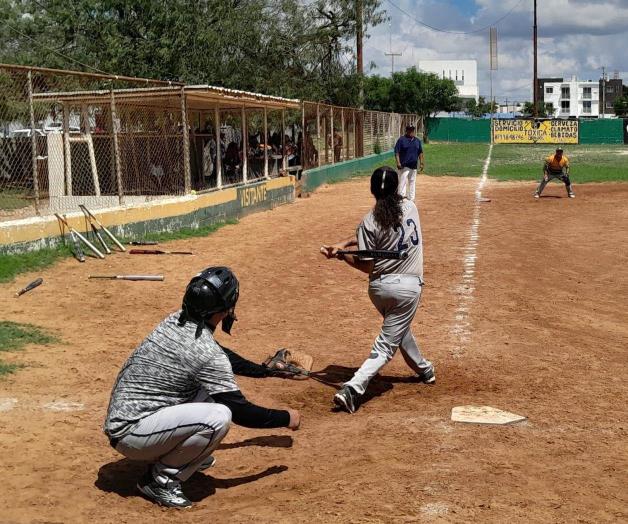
484,415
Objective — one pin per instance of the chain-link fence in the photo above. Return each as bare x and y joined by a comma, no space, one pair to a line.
69,138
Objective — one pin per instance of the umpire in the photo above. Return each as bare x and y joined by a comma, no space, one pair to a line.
408,153
556,166
176,395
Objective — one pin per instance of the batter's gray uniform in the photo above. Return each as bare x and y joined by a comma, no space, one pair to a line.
395,290
161,410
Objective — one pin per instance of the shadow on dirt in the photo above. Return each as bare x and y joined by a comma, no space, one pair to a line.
266,441
121,477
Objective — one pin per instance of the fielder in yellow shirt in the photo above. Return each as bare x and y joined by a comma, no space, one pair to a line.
556,166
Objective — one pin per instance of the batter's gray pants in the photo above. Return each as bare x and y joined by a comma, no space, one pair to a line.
407,182
396,297
178,439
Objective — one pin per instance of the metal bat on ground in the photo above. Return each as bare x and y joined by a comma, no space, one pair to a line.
376,253
158,252
78,250
143,243
30,286
109,233
72,230
152,278
96,231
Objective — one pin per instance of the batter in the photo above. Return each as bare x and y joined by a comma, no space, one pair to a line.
394,285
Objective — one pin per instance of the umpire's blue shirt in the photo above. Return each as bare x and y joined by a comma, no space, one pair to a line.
408,150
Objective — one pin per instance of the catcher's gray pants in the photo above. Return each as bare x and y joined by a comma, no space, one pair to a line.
407,182
178,439
396,297
551,175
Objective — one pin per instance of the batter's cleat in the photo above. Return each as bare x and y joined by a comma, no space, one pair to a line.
209,463
171,497
346,399
428,376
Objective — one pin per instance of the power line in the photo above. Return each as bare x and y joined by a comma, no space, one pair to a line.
49,49
438,29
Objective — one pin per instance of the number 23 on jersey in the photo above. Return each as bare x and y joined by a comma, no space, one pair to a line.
414,235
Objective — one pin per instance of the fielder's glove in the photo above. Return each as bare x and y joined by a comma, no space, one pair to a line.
288,365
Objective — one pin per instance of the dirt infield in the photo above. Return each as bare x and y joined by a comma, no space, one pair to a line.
547,337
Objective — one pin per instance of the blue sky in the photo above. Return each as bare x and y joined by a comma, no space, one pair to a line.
576,37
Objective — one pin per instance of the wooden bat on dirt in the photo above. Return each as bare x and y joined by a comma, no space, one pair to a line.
375,253
75,232
153,278
99,224
158,252
32,285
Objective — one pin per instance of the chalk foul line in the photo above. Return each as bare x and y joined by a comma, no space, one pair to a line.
461,328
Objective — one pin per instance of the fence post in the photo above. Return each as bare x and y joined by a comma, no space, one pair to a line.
266,142
355,136
302,159
284,157
331,134
187,175
33,141
116,146
318,133
245,147
218,148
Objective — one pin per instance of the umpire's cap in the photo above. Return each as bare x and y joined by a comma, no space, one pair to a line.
410,127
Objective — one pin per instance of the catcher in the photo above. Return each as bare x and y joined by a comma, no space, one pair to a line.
176,395
556,166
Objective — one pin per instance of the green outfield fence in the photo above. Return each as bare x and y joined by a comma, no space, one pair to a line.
608,131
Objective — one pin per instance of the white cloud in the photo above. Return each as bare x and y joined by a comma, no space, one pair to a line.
576,37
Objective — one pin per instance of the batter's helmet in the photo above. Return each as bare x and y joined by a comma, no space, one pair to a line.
213,290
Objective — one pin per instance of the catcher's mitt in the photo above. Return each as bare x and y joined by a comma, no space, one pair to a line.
289,364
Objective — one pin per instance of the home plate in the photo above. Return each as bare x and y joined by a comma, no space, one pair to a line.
484,415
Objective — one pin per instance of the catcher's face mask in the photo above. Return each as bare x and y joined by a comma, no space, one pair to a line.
227,322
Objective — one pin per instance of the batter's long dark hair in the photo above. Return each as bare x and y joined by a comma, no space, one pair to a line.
387,210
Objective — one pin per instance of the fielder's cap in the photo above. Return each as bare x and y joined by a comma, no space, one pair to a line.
559,149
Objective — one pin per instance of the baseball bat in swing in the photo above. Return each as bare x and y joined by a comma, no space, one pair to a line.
107,232
376,253
152,278
81,237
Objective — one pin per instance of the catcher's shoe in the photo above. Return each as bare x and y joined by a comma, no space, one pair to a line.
346,399
428,376
209,463
171,497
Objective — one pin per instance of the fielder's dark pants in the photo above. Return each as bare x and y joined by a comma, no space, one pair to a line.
551,175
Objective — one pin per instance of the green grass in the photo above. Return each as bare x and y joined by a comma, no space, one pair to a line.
14,336
13,265
589,163
455,159
11,199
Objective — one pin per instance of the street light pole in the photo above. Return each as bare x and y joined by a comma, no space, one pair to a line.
536,79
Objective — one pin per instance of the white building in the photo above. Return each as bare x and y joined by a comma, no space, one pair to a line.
573,98
464,74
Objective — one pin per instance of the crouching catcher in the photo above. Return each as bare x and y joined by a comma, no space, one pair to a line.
176,395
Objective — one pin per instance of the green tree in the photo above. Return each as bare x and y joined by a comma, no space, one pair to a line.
545,109
422,93
377,93
621,106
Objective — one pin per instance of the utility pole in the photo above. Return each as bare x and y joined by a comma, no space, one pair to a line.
391,54
359,33
603,91
536,79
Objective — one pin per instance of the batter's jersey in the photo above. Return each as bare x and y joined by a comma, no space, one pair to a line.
405,238
554,164
167,369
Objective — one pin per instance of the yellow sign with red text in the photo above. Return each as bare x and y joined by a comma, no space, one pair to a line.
521,131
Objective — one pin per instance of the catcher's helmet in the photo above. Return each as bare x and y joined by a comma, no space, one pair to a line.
213,290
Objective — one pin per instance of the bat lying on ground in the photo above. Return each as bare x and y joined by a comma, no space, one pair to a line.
154,278
32,285
376,253
143,243
97,222
75,232
158,252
